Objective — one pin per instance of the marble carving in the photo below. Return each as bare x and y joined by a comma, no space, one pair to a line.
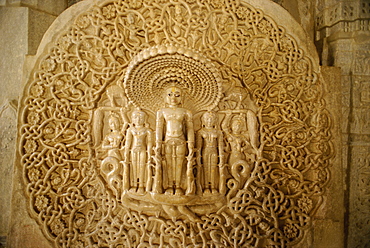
174,124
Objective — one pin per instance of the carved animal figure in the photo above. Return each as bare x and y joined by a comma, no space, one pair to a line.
236,94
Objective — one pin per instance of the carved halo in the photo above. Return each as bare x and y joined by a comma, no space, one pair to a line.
158,67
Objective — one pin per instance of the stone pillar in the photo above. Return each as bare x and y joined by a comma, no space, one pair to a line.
22,25
328,226
343,31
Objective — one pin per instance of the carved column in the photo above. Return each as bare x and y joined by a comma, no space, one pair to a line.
343,30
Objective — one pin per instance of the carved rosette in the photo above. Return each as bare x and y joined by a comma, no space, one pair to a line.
229,59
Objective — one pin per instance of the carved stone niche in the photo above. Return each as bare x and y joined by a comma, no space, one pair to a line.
173,124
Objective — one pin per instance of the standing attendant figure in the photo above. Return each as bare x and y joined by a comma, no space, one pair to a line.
210,155
138,148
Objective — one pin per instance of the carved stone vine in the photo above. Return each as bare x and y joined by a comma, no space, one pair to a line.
173,124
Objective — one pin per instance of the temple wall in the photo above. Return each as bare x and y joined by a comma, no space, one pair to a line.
22,25
340,31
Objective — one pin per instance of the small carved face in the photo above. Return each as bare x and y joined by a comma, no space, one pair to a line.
178,9
138,118
113,123
130,18
173,96
209,120
236,126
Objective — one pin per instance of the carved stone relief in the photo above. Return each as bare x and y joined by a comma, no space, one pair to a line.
343,16
173,124
359,201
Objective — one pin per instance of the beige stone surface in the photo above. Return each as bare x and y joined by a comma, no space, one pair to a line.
344,27
51,7
21,30
23,231
328,228
342,39
13,27
14,46
328,234
39,22
303,13
260,161
7,147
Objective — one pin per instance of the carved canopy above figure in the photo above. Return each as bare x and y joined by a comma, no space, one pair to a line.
174,123
157,67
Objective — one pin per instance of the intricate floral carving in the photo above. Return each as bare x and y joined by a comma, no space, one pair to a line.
30,146
41,202
252,176
57,226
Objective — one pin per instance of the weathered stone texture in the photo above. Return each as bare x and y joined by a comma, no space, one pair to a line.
71,2
7,147
326,234
328,227
51,7
23,231
39,22
359,204
303,13
13,47
344,25
21,31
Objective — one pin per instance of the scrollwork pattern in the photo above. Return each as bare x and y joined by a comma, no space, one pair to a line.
260,68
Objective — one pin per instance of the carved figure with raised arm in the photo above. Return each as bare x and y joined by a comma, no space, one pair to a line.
234,127
174,140
138,147
210,155
111,164
112,140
